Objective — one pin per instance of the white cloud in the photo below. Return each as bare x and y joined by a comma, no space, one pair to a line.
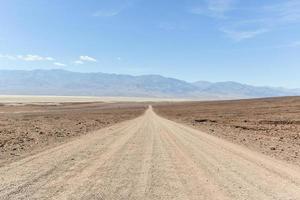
78,62
28,57
87,59
50,58
242,35
84,59
59,64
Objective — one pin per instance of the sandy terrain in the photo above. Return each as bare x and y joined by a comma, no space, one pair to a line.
149,158
25,99
270,126
29,128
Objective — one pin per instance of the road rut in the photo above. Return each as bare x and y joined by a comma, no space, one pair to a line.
149,158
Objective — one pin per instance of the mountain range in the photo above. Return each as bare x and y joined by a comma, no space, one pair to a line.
61,82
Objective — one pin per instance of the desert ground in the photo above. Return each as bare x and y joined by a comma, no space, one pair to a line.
270,126
30,127
25,99
148,150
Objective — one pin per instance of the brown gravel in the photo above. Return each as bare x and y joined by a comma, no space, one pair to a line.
29,128
149,158
270,126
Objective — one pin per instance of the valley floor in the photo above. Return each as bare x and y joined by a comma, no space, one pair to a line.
29,128
270,126
149,158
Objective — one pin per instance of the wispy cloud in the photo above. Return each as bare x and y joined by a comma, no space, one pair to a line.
258,20
59,64
294,44
275,15
31,57
28,57
287,11
87,59
213,8
84,59
242,35
107,10
107,13
34,58
78,62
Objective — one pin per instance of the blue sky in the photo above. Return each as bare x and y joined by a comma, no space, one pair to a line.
255,42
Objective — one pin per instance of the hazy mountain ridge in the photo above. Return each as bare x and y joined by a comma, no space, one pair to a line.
61,82
244,90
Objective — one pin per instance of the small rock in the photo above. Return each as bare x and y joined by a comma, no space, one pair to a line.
281,138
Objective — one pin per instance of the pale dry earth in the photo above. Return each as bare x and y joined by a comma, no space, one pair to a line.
270,125
149,158
25,99
27,129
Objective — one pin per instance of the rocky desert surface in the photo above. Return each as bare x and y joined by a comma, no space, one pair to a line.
270,126
30,127
151,158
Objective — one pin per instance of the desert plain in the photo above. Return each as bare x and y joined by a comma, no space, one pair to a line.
270,126
241,149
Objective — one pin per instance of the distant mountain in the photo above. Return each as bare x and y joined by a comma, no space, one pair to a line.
202,84
61,82
242,90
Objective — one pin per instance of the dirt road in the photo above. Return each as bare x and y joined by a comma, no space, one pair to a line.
149,158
